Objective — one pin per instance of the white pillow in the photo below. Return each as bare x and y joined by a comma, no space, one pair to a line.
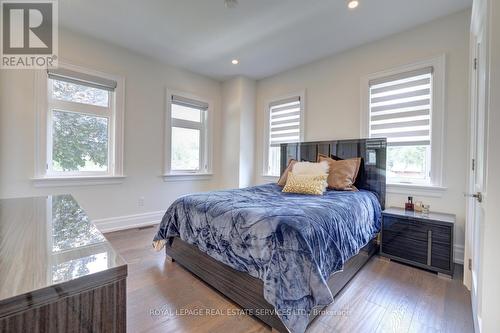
309,168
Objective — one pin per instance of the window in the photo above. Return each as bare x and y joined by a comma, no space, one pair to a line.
403,107
80,123
284,124
188,118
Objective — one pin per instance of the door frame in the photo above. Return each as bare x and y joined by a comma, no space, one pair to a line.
479,34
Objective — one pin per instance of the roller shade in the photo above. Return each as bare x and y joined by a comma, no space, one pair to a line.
190,103
62,74
284,121
401,108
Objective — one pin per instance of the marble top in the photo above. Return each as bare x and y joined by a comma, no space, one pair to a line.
47,241
432,216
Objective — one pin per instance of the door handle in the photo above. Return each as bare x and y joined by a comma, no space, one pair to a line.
478,196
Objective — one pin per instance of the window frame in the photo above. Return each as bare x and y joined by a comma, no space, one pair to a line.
266,139
205,127
438,113
44,175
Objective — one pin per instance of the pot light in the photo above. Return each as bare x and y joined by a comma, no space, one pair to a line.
230,3
235,61
353,4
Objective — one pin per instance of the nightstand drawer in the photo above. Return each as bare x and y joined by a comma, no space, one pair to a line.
408,248
406,228
440,234
440,257
417,230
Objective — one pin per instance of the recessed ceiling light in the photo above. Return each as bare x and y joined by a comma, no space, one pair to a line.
235,61
353,4
230,3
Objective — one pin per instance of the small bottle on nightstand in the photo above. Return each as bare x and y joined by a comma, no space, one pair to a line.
409,205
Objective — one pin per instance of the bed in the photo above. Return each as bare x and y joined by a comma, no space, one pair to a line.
281,256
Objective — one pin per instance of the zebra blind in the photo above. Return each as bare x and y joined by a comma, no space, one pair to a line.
284,121
401,108
190,103
70,76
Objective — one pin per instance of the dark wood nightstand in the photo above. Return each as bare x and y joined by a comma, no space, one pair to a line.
424,241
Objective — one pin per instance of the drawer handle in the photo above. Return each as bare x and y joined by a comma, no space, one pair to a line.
429,247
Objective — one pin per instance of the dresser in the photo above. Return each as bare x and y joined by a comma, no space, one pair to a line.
57,271
424,241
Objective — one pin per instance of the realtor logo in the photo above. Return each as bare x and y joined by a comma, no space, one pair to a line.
29,34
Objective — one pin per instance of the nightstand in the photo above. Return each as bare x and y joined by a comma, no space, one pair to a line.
413,238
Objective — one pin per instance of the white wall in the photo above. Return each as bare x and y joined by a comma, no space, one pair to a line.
145,83
230,159
247,131
238,132
333,100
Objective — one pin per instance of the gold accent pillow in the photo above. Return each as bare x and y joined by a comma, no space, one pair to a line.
343,173
305,184
282,180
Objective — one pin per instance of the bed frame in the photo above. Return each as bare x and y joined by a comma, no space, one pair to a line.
246,290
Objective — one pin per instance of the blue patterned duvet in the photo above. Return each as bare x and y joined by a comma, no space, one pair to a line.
292,242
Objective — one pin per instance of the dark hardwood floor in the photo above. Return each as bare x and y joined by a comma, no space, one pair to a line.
383,297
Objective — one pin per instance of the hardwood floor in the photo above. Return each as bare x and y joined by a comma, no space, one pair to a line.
383,297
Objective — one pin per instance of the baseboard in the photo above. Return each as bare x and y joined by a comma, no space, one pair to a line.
111,224
458,254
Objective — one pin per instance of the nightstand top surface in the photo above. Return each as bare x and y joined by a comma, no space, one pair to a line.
432,216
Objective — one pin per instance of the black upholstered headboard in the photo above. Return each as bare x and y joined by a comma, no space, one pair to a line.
372,152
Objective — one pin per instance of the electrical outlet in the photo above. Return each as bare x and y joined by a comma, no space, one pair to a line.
140,202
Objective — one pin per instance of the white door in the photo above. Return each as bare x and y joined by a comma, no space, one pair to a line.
476,188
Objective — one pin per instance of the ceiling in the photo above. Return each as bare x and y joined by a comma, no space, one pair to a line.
267,36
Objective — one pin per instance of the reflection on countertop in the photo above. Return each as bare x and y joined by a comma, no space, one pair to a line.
46,241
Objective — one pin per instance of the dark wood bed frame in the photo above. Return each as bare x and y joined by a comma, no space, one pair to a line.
246,290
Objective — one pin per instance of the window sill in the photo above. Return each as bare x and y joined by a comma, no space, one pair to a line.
417,190
181,177
76,181
269,178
